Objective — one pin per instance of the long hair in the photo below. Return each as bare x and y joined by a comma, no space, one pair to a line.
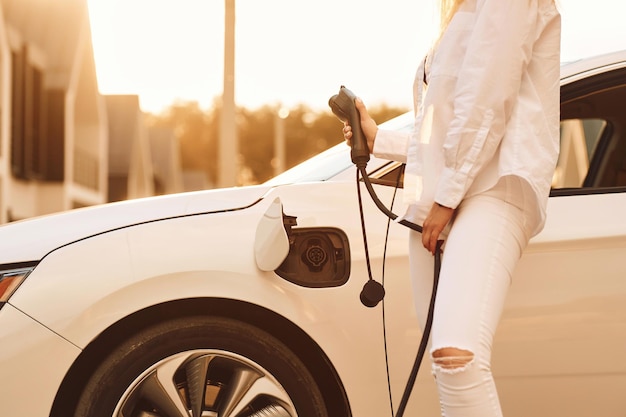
447,8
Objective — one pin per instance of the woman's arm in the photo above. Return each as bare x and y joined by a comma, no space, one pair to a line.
387,144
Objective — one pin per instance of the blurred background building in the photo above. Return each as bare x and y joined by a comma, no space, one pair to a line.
62,144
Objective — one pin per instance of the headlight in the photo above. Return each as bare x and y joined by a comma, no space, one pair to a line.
10,280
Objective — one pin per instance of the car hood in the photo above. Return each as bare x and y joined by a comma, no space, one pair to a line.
31,239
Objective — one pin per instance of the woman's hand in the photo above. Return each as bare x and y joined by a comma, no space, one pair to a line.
437,219
368,126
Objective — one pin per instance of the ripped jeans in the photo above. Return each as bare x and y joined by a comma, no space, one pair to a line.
488,234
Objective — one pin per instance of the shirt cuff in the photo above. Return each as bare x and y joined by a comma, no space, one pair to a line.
391,144
450,189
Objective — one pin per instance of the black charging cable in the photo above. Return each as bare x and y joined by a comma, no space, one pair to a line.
344,107
382,281
371,290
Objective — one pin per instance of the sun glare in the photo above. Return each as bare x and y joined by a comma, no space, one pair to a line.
161,50
289,51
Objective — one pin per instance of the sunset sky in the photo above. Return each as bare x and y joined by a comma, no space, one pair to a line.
292,51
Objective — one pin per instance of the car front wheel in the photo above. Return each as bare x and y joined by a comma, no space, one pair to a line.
201,367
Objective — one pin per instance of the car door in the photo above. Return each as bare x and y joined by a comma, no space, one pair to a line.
559,349
561,340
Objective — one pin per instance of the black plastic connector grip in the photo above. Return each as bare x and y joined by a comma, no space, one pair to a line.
343,106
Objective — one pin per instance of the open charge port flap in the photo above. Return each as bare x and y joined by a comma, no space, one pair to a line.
318,257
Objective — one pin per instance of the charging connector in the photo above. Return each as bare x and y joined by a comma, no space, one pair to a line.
344,107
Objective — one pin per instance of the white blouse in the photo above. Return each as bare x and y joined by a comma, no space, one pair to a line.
490,108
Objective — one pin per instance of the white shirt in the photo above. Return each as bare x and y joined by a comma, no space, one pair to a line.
490,108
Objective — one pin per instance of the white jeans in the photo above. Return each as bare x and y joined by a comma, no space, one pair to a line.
486,239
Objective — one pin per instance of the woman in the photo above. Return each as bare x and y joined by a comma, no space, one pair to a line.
479,165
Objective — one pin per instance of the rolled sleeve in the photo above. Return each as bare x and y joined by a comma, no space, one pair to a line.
391,144
487,86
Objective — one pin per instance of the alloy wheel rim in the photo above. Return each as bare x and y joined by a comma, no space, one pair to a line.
205,383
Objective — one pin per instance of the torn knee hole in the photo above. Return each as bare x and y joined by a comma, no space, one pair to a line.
452,358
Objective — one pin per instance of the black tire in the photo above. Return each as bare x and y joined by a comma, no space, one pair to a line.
195,365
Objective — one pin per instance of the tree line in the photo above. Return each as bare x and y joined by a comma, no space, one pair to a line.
307,132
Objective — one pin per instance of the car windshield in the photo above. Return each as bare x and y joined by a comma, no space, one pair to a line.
332,161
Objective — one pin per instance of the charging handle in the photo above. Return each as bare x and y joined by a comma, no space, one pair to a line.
343,106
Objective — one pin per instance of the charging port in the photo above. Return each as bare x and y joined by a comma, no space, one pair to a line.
318,257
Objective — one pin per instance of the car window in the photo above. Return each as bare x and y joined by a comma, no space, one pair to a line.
333,161
593,135
579,140
319,168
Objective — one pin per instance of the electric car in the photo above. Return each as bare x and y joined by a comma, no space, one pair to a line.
246,301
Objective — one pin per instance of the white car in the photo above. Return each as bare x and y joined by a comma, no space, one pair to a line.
245,302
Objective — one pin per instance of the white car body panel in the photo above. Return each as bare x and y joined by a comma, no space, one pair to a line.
32,239
578,313
190,263
22,364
